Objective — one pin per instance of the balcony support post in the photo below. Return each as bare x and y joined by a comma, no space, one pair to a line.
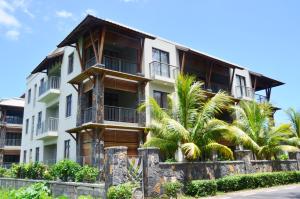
268,93
80,57
101,44
141,99
208,76
80,108
98,98
140,55
94,46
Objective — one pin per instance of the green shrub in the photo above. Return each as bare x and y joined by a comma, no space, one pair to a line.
87,174
252,181
123,191
2,171
284,157
35,170
172,189
18,170
201,188
35,191
65,170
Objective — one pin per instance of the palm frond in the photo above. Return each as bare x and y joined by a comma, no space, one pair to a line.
191,151
220,148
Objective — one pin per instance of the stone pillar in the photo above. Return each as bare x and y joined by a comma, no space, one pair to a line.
244,155
295,156
141,99
151,171
115,166
98,99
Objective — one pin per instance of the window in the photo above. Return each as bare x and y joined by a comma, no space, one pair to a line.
34,94
37,154
26,126
71,63
67,149
24,156
30,155
29,96
241,86
32,126
68,105
161,62
161,98
39,122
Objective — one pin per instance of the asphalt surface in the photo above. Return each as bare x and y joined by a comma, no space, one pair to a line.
282,192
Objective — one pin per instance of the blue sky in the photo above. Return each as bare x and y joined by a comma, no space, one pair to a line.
261,35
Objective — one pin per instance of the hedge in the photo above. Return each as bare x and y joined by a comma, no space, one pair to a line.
240,182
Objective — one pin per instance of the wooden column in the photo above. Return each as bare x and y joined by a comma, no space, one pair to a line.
208,76
80,105
141,99
268,93
98,98
140,56
182,62
101,44
94,47
79,56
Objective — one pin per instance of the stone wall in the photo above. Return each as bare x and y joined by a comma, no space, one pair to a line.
69,189
259,166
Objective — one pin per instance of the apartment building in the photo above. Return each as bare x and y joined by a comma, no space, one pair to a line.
91,86
11,119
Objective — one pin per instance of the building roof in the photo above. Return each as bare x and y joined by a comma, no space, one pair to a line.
264,82
90,22
56,55
12,102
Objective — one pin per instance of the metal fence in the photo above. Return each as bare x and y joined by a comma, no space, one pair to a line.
162,70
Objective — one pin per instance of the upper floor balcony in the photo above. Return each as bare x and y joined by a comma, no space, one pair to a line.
114,63
49,90
48,129
13,120
112,114
248,93
163,72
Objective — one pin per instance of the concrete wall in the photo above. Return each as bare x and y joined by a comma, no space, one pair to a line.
69,189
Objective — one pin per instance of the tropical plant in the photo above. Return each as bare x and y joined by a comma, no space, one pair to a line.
34,191
190,122
87,174
66,170
256,120
294,118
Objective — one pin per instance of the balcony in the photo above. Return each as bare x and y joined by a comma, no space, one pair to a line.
114,63
49,90
12,144
243,92
112,114
162,72
47,130
12,120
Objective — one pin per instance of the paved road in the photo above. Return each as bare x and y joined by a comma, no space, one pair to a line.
282,192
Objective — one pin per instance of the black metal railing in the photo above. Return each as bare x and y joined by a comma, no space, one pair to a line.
10,119
12,142
89,115
120,114
261,98
53,82
114,63
162,70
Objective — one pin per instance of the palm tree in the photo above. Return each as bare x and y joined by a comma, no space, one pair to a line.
190,123
294,118
256,120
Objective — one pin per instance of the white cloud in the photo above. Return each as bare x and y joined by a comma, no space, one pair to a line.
12,34
6,16
64,14
129,1
23,5
90,11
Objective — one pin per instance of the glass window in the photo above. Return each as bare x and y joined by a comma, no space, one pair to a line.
26,126
32,126
34,94
67,149
39,122
30,155
29,96
161,98
68,105
71,63
241,86
24,156
161,62
37,154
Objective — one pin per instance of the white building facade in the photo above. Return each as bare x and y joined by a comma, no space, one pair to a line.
84,95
